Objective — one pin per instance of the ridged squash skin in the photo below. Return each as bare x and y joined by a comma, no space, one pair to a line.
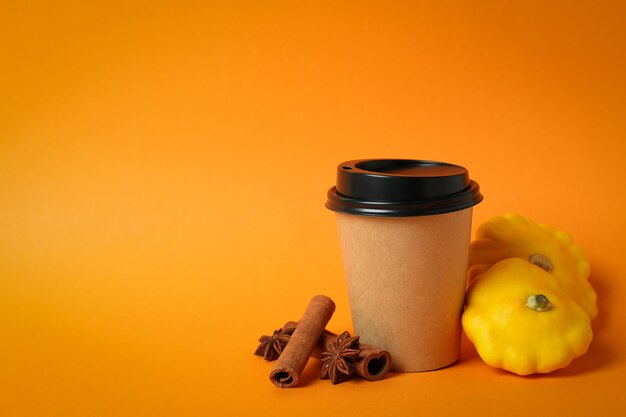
514,236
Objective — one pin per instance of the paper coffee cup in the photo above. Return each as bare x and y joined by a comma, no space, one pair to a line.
404,229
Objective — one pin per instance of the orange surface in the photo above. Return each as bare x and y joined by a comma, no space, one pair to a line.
163,170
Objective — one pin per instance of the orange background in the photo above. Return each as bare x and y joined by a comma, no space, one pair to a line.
163,171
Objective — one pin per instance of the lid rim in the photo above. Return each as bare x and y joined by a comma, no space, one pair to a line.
341,204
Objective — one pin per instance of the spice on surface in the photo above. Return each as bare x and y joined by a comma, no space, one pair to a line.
339,356
272,346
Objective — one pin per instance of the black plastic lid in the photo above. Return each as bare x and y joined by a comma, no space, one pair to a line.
401,188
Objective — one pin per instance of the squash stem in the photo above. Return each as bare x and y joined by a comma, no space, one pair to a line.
538,302
541,260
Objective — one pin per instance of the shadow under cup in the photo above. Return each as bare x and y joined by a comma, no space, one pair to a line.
404,229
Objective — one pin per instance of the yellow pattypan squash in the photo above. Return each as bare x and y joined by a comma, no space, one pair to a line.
553,250
520,320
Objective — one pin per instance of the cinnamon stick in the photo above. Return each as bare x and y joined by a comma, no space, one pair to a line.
293,359
372,363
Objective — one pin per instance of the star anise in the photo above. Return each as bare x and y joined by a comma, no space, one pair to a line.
272,346
338,358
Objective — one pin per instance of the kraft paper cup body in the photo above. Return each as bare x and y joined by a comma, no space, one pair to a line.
406,279
404,228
